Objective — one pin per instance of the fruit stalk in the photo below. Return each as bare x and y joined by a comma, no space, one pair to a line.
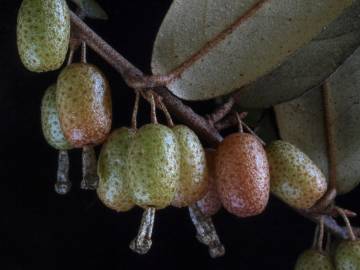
90,178
206,232
63,184
142,242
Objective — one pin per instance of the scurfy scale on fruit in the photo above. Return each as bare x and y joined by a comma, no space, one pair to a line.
156,166
43,32
54,136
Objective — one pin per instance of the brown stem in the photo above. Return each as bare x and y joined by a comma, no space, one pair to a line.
229,121
83,52
70,56
320,242
142,242
165,111
63,184
325,201
240,123
347,222
89,169
153,107
221,112
135,79
206,232
135,110
316,237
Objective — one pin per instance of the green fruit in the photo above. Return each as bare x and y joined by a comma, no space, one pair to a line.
113,189
84,104
347,255
43,31
295,178
50,121
193,182
314,260
153,166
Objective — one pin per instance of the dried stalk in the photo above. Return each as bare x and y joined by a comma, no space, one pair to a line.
63,184
89,169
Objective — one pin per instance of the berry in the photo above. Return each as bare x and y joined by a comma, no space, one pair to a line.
210,204
43,31
295,178
84,104
347,255
314,260
192,184
153,166
113,189
242,175
50,121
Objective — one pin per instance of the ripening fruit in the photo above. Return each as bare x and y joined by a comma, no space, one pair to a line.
192,184
50,121
154,166
43,31
314,260
295,178
84,104
347,255
242,175
210,204
113,189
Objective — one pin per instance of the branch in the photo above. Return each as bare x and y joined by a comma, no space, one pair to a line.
136,79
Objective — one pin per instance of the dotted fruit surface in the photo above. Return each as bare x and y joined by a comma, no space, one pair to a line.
347,255
193,183
210,204
113,189
295,178
50,121
84,104
314,260
43,31
154,166
242,175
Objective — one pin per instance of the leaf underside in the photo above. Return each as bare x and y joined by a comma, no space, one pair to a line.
302,123
247,40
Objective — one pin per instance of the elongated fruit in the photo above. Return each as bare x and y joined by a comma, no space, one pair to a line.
210,204
314,260
295,178
43,31
50,121
84,104
193,183
347,255
113,189
242,175
154,166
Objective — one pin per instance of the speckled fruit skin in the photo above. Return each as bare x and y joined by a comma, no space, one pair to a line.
347,255
154,166
50,121
314,260
242,175
84,104
210,204
192,184
43,31
295,179
113,189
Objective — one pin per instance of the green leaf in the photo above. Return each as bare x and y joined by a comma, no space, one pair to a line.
247,38
91,9
302,123
309,66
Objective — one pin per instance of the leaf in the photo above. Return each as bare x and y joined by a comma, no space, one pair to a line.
302,123
214,47
309,66
91,9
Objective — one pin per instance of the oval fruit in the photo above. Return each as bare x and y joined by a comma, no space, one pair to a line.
43,31
192,184
50,121
347,255
314,260
242,175
113,189
84,104
153,166
295,179
210,204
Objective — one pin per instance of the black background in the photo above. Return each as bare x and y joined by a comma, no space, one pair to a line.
39,228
